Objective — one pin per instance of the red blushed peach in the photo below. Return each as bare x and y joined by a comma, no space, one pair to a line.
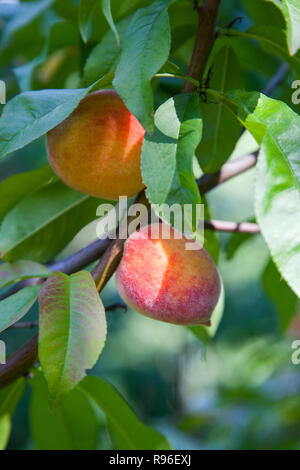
161,279
97,149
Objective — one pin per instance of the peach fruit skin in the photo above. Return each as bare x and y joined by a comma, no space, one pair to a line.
97,149
161,279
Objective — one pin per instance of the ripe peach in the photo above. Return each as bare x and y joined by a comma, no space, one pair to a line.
97,149
161,279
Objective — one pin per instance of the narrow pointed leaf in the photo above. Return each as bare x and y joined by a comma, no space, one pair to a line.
72,331
85,11
106,8
12,272
145,48
127,432
14,307
105,55
167,155
221,130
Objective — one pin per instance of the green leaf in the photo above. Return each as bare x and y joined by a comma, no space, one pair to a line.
145,48
54,215
106,8
5,429
282,296
221,130
74,426
85,11
19,270
72,331
26,13
104,56
291,12
32,114
9,398
167,155
16,187
127,432
14,307
277,202
273,40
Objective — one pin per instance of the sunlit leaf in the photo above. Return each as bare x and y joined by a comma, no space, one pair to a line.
167,154
291,12
145,48
277,200
72,331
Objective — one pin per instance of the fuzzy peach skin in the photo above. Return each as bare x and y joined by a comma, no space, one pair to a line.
161,279
97,149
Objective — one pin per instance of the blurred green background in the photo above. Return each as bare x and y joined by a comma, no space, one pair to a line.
240,391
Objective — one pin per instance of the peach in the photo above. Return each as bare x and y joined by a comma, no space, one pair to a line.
161,279
97,149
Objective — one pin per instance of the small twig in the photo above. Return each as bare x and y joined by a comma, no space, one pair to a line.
69,265
19,363
116,306
207,15
231,169
113,254
228,226
276,80
26,324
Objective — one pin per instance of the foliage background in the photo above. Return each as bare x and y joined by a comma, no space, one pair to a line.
242,390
